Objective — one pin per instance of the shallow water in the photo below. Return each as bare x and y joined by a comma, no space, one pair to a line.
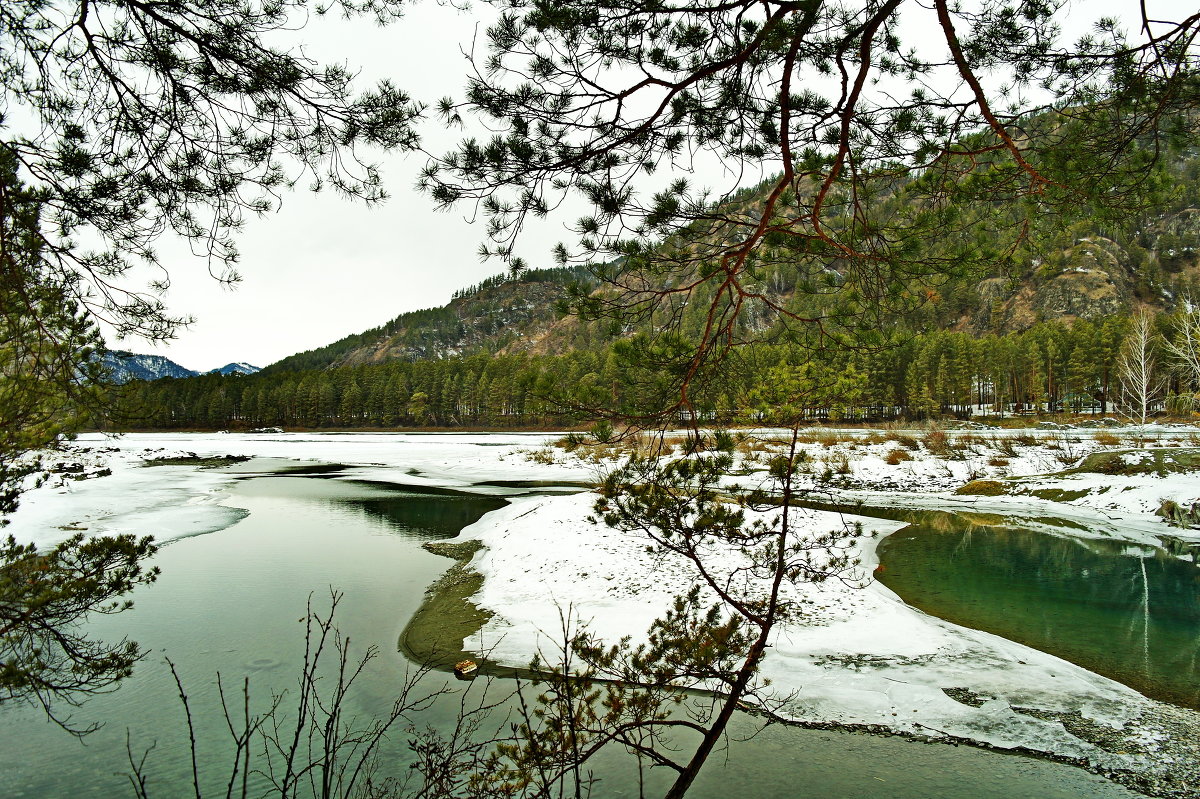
229,602
1128,612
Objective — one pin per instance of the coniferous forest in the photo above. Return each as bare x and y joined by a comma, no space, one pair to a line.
1036,328
1050,367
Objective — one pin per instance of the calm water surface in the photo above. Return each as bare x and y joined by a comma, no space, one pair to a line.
1128,612
230,602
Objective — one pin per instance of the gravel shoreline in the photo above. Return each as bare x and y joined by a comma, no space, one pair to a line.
1165,739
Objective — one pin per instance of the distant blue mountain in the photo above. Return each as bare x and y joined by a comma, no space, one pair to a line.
125,366
237,369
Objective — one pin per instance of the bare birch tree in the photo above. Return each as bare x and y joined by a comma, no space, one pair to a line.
1184,348
1141,386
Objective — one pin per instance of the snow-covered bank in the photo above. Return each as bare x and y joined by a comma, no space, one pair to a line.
1039,473
171,502
859,656
167,502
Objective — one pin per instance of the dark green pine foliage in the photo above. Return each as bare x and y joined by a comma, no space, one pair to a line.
934,375
50,379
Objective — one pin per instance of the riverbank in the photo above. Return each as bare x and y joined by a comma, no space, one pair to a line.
98,484
1158,743
861,659
435,634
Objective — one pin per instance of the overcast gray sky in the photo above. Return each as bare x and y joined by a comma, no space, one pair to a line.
323,267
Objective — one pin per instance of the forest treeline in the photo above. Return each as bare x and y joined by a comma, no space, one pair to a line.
1049,367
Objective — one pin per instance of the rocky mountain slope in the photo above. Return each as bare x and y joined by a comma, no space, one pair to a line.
1067,268
124,366
502,314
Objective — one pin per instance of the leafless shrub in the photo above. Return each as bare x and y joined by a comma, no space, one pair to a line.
1066,457
1006,446
310,745
1025,439
937,442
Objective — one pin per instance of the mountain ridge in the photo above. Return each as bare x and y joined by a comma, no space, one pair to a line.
123,366
1067,268
504,313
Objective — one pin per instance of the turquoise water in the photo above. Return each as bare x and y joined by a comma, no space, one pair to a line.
230,603
1130,613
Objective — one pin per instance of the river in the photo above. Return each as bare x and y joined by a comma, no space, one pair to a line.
1125,611
229,602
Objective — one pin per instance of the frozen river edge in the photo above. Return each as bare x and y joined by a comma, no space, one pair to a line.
861,659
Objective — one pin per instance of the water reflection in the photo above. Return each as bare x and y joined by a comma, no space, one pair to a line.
228,602
423,515
1129,612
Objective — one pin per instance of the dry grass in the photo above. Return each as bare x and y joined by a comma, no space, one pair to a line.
937,442
1005,446
982,488
997,461
545,455
756,446
587,448
906,441
897,456
1104,438
1024,439
831,438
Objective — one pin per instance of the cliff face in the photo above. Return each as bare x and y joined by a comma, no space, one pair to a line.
1097,277
1092,281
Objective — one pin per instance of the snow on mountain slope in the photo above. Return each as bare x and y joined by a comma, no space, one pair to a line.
126,366
237,368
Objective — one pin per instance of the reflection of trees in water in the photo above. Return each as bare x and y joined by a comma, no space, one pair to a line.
1092,601
427,515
